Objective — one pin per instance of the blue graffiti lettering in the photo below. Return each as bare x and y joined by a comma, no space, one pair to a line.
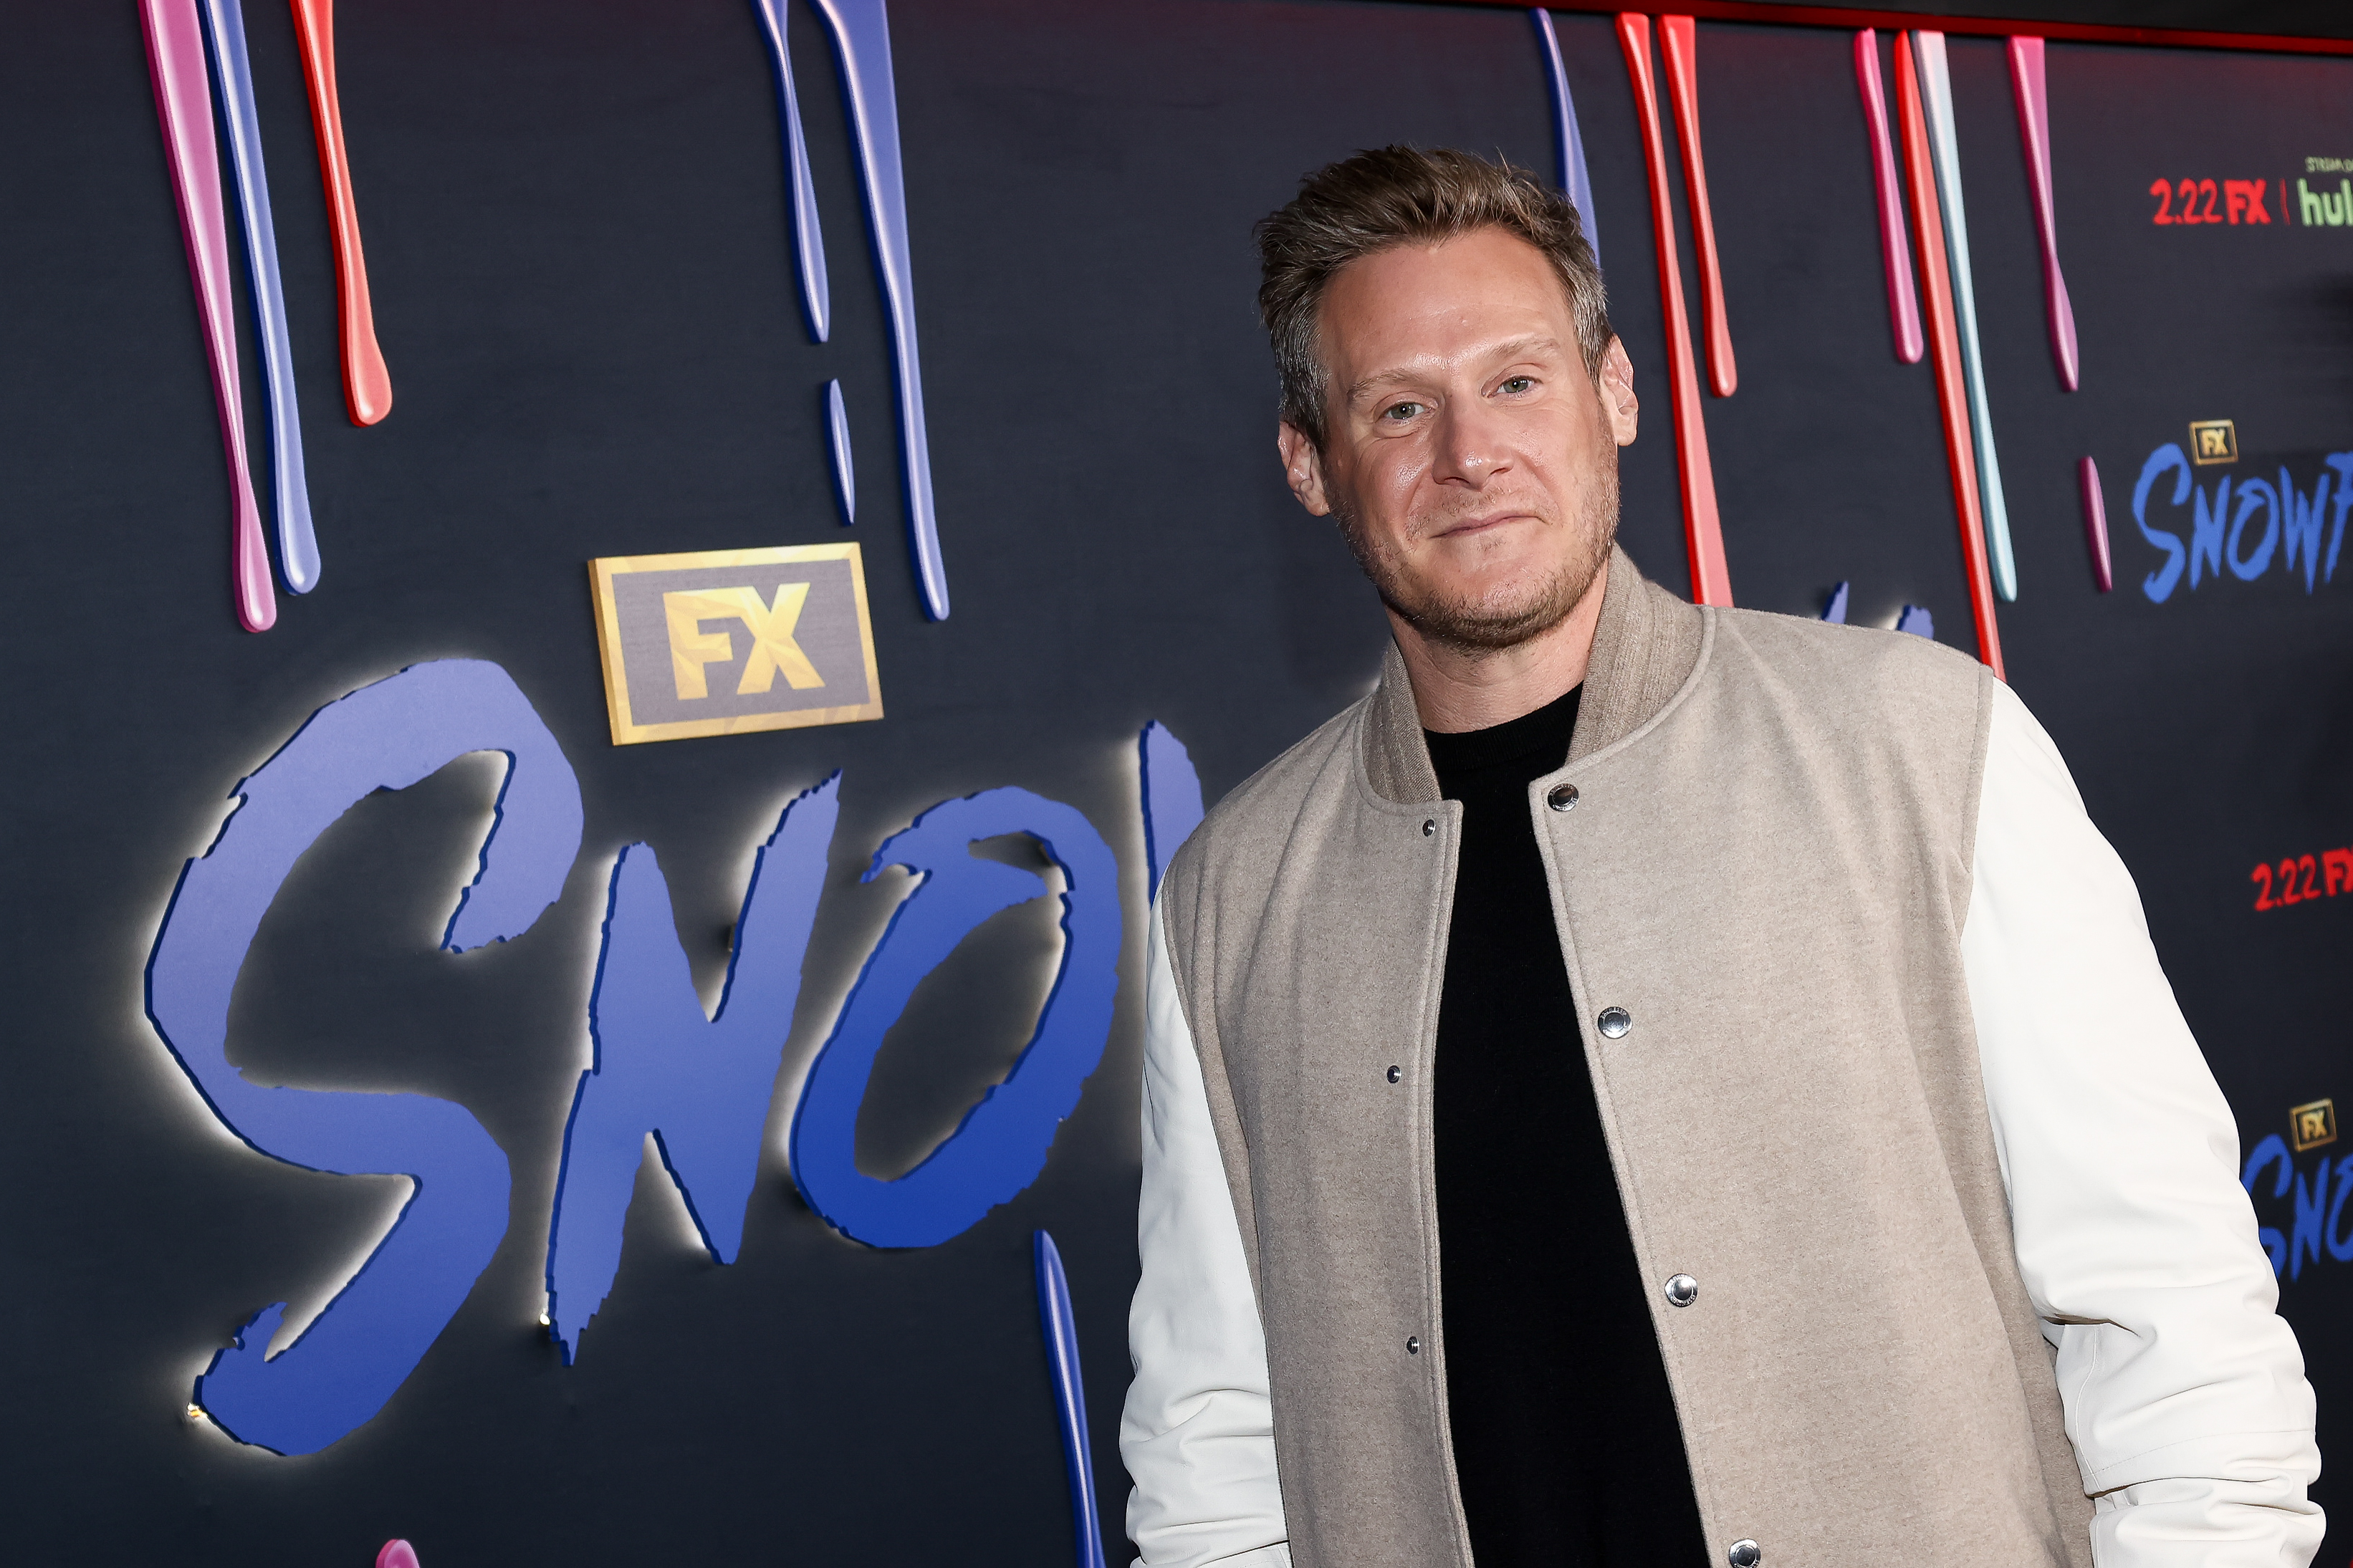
1001,1144
1171,796
2158,584
2311,1205
388,735
2300,518
2206,529
2219,529
2341,465
701,1086
2340,1247
2252,494
2271,1151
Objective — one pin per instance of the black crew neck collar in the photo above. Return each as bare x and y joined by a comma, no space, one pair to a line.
1543,733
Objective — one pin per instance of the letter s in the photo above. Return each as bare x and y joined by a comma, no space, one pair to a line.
1001,1146
388,735
2158,584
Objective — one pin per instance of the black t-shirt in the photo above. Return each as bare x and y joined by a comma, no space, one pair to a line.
1565,1432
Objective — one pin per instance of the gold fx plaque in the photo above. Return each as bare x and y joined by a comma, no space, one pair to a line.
2213,441
718,642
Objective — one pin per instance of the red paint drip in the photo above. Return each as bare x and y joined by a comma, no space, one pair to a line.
1945,348
1711,581
367,385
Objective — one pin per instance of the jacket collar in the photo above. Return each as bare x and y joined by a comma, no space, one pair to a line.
1643,649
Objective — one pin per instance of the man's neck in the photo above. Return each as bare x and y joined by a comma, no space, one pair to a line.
1456,690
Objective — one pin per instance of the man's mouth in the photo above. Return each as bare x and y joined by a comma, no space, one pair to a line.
1481,522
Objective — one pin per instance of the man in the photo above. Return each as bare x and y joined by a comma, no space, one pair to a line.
1655,1085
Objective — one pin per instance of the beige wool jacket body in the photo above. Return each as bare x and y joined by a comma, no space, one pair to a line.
1767,866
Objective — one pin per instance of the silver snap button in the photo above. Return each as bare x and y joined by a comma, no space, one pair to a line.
1429,827
1744,1555
1615,1022
1561,798
1395,1073
1412,1344
1681,1290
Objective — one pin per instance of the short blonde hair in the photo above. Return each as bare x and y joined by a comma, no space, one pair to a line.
1404,195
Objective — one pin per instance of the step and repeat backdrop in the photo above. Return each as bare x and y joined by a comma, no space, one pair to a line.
620,603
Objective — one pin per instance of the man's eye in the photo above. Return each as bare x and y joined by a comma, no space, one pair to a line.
1398,413
1518,383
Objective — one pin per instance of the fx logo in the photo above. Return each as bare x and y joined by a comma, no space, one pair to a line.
2213,441
773,648
2313,1124
693,644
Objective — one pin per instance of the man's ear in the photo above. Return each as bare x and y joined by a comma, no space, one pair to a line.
1302,465
1616,386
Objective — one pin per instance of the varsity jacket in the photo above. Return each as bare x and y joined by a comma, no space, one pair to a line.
1937,1200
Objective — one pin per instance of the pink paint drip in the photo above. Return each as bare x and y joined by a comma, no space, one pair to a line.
2095,524
396,1555
2027,85
1903,300
184,100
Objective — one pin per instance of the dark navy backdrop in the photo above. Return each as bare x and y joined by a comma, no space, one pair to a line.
575,219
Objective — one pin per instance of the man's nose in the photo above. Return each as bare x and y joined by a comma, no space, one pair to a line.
1470,444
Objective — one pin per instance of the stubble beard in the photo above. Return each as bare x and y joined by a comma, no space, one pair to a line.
1474,628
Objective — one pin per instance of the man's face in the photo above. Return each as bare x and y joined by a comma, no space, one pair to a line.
1468,457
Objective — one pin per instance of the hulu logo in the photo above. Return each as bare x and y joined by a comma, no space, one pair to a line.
2332,208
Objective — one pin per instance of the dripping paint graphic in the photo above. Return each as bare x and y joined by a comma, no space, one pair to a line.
861,39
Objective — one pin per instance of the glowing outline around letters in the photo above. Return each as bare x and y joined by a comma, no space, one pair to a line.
701,1086
1171,796
388,735
1001,1146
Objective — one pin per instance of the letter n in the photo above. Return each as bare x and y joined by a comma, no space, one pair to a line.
700,1086
2301,518
2206,529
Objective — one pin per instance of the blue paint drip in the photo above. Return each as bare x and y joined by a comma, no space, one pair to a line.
1000,1147
861,37
808,237
1916,620
1061,1329
1835,611
1172,797
297,544
389,736
845,473
1568,144
701,1086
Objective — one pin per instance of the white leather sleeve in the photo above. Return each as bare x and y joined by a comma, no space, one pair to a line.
2184,1389
1198,1434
